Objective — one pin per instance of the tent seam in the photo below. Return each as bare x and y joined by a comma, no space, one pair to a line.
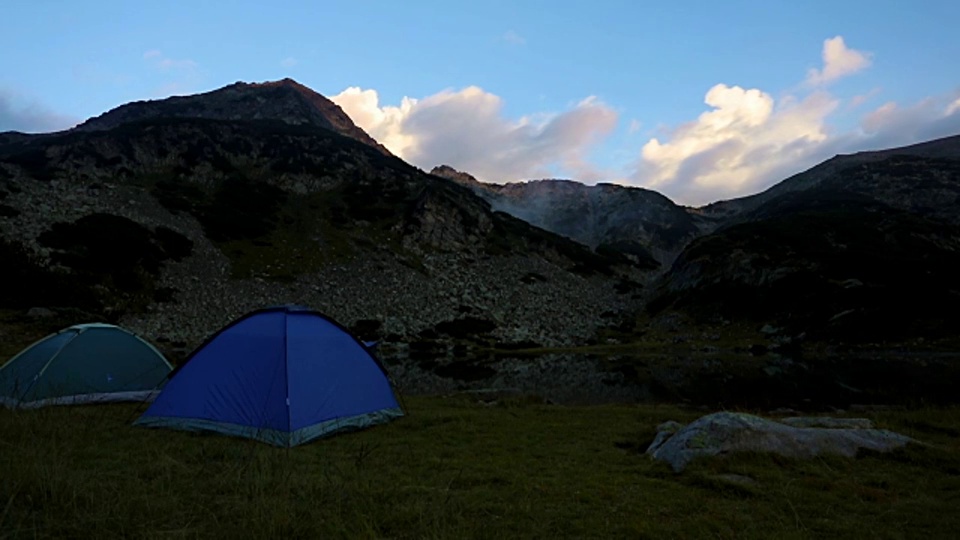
41,371
286,368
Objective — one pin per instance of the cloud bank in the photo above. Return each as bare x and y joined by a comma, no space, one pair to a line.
745,141
742,144
178,76
468,130
513,38
164,63
18,114
894,125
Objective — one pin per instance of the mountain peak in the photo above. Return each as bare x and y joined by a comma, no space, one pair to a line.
460,177
285,100
285,82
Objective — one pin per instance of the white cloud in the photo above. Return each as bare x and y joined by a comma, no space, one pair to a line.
953,107
860,99
513,38
164,63
20,114
893,125
743,143
385,124
738,149
838,61
177,76
747,140
288,62
879,116
467,130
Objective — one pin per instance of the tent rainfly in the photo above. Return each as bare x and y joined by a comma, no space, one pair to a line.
86,363
283,375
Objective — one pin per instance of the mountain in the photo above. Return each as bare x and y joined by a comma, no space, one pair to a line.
286,100
640,223
857,172
173,217
860,248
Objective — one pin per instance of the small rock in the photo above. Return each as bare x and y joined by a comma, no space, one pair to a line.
841,315
40,313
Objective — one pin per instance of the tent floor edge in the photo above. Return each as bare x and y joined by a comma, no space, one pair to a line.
82,399
283,439
342,425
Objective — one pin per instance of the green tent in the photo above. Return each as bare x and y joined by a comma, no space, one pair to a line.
87,363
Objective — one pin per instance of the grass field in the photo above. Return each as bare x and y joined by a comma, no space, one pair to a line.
455,468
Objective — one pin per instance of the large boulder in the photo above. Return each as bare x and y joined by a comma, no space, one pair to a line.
726,432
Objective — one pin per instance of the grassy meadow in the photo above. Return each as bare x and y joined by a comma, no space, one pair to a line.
457,468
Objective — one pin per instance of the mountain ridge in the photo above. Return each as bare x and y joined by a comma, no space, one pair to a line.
220,216
941,148
638,222
232,201
285,100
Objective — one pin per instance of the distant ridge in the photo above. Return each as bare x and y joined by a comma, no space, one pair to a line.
826,175
637,222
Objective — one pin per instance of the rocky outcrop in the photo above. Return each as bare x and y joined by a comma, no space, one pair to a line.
802,438
446,220
637,222
460,177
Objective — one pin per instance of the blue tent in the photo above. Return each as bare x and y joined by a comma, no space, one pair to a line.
283,375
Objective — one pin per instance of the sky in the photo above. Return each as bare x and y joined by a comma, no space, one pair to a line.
701,101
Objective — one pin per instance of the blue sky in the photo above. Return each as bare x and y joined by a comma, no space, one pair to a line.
699,100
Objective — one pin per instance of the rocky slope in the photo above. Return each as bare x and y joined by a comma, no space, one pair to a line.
861,248
640,223
174,225
175,216
869,173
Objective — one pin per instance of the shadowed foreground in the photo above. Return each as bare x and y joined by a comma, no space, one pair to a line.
456,468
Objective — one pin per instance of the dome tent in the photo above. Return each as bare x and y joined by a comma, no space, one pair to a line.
283,375
86,363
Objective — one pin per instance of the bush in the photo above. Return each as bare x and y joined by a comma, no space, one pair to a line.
114,255
25,283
